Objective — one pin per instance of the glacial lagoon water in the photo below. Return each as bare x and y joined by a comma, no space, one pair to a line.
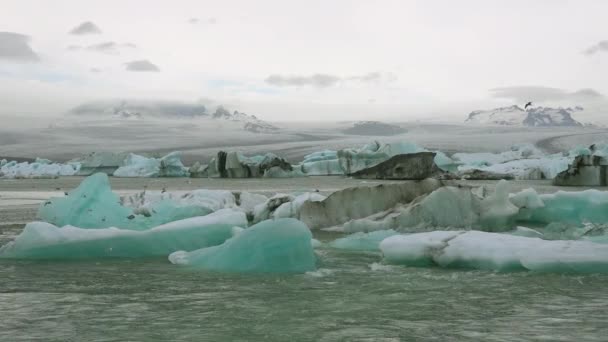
351,297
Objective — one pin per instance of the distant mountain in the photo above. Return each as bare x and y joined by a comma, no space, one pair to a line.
373,128
533,117
140,110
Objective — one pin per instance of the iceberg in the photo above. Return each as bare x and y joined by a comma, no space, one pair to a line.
362,241
363,201
272,246
522,162
496,252
106,162
568,207
236,165
93,205
41,240
353,160
321,163
140,166
41,168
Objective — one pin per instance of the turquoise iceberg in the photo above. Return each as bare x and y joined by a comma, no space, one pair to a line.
272,246
41,240
94,205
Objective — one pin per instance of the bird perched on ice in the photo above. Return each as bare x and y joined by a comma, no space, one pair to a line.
527,104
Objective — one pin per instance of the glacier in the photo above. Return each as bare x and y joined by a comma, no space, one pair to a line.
494,251
41,240
271,246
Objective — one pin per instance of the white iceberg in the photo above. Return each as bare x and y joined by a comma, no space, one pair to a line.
493,251
41,168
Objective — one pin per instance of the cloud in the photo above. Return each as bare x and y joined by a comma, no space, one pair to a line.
601,46
95,70
326,80
540,93
86,27
141,65
111,48
209,21
15,47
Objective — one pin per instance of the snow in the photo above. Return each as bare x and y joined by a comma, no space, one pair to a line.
272,246
532,117
493,251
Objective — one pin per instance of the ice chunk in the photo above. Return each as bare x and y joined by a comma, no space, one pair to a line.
292,208
363,201
493,251
363,241
40,240
94,205
236,165
569,207
272,246
41,168
106,162
322,168
140,166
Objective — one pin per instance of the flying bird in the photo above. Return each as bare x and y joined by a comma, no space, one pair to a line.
527,104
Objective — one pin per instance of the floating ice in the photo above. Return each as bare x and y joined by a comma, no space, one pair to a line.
106,162
363,241
41,240
568,207
273,246
322,163
94,205
41,168
492,251
139,166
236,165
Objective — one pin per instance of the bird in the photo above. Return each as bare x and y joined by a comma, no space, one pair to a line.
527,104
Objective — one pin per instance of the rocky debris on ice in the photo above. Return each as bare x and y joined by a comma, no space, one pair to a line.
493,251
284,206
533,117
140,166
476,174
363,201
375,128
40,168
272,246
41,240
589,167
237,165
413,166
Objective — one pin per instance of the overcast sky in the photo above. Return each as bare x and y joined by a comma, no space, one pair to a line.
307,59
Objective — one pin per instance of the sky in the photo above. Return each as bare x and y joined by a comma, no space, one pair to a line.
305,60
